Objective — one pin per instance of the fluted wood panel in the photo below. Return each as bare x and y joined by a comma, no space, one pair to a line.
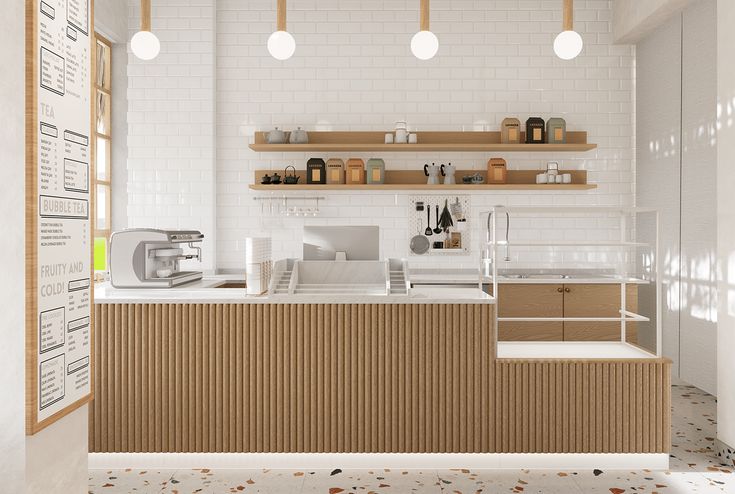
583,406
293,378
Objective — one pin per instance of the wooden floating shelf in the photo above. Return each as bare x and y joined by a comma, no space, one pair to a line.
461,187
415,180
427,141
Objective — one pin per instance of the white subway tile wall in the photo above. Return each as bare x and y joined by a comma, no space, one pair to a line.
194,110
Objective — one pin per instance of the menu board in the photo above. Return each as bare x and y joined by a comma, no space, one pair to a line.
59,204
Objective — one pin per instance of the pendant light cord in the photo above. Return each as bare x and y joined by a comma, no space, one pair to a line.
424,23
568,23
145,15
281,15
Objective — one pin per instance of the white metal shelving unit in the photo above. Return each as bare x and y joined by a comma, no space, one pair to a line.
636,250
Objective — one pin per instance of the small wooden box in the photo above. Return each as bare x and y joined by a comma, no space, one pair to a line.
355,171
535,130
316,171
335,171
510,131
497,171
556,131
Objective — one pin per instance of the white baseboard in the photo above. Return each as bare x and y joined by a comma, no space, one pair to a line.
314,461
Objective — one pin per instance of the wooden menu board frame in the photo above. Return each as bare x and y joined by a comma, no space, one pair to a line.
32,56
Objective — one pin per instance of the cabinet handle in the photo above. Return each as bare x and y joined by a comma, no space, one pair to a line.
559,290
567,290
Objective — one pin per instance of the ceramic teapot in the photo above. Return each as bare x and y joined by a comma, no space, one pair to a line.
298,136
276,136
291,179
448,173
432,172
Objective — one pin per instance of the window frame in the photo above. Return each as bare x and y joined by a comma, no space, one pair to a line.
106,90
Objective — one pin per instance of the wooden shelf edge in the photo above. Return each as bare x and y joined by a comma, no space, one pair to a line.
462,187
509,148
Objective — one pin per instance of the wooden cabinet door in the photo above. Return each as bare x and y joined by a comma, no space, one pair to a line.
597,301
518,300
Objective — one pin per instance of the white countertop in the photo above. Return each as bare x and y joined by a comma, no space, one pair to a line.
205,291
571,350
471,276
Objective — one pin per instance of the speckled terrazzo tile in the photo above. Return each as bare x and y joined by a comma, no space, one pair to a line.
640,481
129,481
377,481
466,481
208,481
273,481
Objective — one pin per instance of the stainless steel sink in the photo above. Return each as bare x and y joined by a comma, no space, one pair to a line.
537,276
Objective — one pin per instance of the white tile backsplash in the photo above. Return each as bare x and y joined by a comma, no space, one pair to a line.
194,110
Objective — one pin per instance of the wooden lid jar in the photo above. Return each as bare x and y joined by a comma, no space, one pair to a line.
535,130
316,171
497,171
335,171
556,131
375,171
355,171
510,131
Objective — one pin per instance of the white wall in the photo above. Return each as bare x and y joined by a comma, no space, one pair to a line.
12,250
55,459
171,151
676,173
353,71
726,222
658,178
698,308
633,20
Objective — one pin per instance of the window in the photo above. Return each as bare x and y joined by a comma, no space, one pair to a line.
102,153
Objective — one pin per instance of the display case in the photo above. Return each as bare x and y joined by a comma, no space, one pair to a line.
574,276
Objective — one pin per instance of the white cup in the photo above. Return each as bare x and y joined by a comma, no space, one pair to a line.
567,178
413,139
401,136
389,138
559,179
542,178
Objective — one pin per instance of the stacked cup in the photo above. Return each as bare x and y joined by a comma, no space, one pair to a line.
258,264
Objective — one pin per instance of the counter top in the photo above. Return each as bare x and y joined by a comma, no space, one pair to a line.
471,277
206,291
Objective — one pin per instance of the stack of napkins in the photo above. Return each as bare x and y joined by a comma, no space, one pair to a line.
258,264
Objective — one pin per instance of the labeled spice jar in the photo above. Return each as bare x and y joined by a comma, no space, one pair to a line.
556,131
510,131
375,171
355,171
497,171
335,171
535,131
316,171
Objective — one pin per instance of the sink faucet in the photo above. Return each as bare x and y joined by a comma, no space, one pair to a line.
507,233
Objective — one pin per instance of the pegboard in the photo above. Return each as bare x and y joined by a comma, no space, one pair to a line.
417,221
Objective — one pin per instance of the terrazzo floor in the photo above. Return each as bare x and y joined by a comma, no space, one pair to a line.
694,468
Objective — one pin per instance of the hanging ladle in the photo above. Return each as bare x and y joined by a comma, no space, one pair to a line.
438,229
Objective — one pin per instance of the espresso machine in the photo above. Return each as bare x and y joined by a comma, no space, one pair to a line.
148,258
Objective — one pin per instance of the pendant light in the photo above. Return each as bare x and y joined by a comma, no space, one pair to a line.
281,45
145,44
568,43
424,43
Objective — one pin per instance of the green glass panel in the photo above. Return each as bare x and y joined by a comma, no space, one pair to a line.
100,254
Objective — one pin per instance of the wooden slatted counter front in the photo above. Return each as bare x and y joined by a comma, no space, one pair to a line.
421,378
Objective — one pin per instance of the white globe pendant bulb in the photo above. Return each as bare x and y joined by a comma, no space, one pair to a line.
568,44
281,45
145,45
424,45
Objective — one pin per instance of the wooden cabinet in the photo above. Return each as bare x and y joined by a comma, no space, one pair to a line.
558,300
531,301
597,301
